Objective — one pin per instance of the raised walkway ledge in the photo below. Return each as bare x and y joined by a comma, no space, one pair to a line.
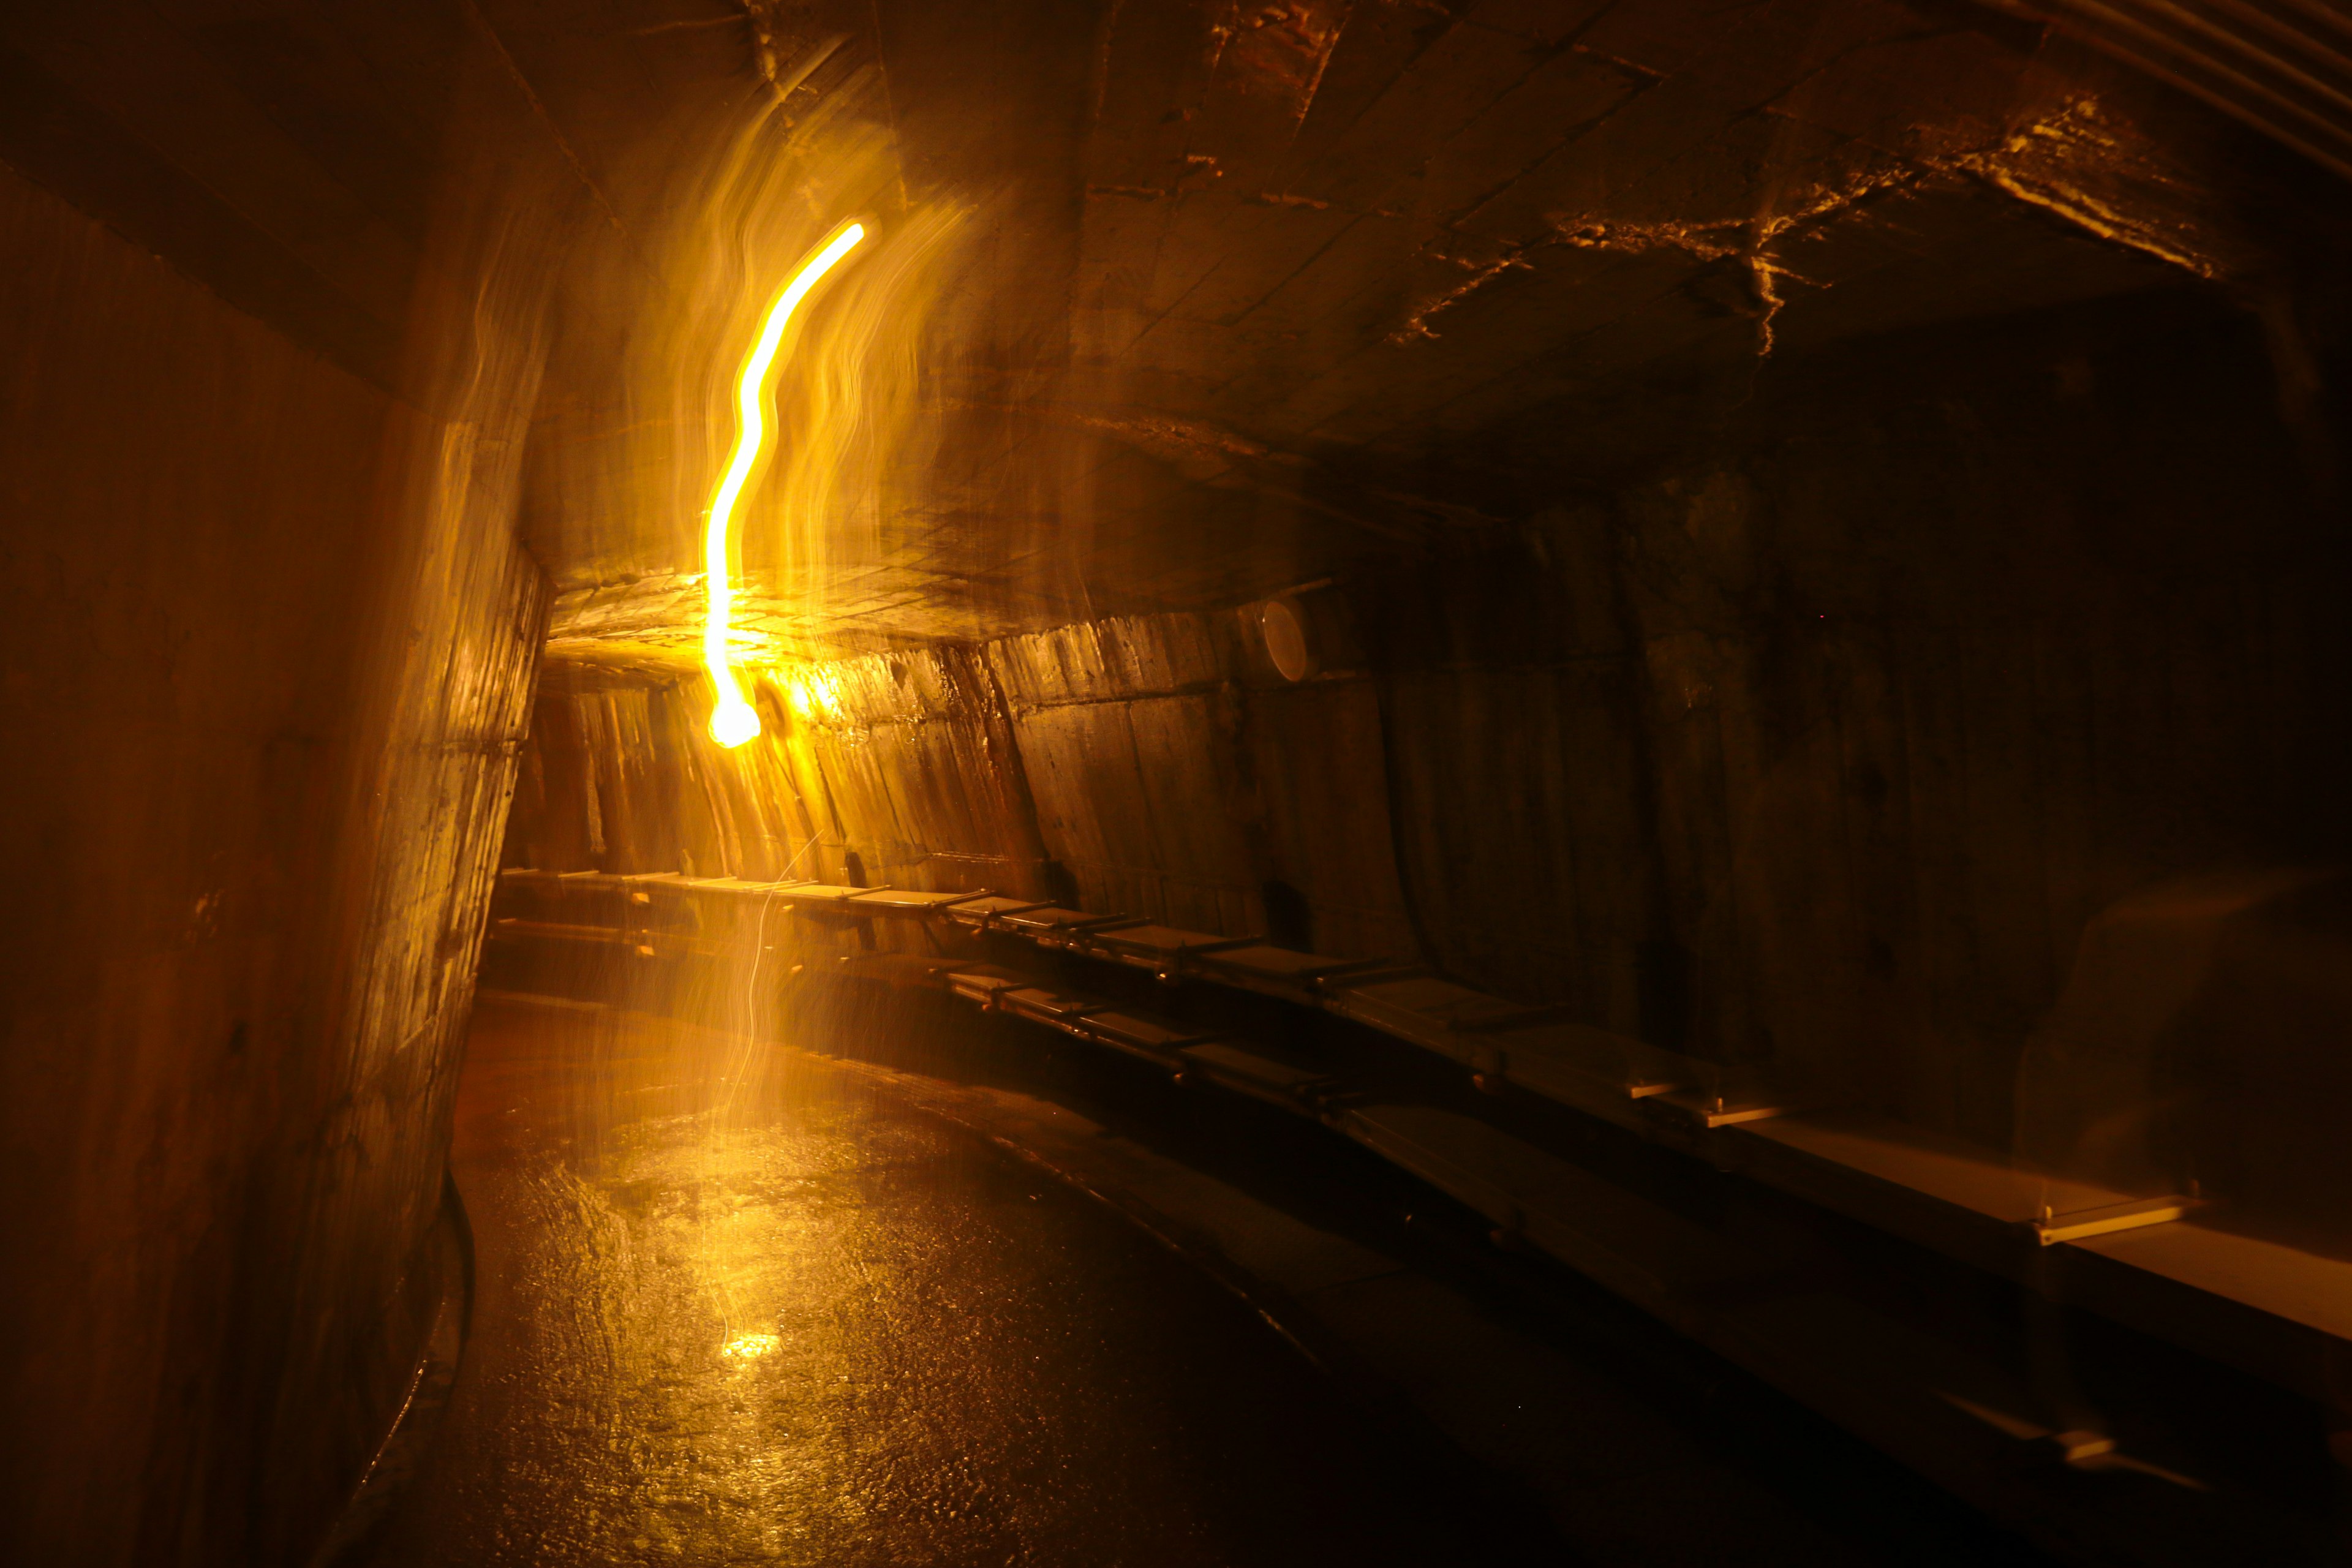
2280,1314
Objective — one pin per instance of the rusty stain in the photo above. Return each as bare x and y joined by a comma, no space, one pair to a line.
2074,164
1712,241
1288,47
1417,325
1287,199
1763,277
1696,239
2057,161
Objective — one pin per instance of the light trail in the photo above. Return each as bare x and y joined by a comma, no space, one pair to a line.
733,720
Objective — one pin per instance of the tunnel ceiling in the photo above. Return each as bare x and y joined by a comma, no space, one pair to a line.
1265,288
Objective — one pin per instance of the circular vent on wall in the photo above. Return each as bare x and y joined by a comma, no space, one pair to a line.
1286,639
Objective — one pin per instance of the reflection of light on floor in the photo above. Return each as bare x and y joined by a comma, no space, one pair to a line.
750,1347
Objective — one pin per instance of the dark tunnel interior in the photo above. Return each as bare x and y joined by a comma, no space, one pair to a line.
1176,783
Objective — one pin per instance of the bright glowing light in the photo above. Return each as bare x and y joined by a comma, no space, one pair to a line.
732,723
734,720
750,1347
813,692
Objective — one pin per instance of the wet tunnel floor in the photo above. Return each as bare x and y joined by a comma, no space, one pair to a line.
743,1312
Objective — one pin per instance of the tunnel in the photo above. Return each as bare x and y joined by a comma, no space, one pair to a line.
1177,784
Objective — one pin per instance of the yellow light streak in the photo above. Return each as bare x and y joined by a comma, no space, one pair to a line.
734,720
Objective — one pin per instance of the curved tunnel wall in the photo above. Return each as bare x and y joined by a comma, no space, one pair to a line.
273,646
1820,742
1820,751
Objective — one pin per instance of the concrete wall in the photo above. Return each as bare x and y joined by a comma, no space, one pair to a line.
1819,748
1154,765
270,649
1823,748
